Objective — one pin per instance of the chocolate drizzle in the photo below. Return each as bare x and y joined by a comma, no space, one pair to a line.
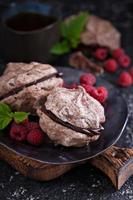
18,89
90,132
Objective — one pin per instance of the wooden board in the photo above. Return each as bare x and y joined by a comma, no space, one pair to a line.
116,163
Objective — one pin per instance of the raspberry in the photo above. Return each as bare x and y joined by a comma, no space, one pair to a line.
87,79
118,53
110,65
18,132
25,122
35,137
103,93
88,88
131,72
65,85
100,94
124,61
33,126
125,79
73,86
101,53
29,125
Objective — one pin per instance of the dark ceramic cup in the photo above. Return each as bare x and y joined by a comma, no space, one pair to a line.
28,42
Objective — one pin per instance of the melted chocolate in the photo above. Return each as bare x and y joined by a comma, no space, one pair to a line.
18,89
90,132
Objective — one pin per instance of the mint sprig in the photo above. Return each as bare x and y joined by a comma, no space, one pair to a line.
20,116
61,48
4,121
6,116
70,32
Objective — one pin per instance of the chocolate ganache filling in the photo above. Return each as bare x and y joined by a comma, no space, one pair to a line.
86,131
18,89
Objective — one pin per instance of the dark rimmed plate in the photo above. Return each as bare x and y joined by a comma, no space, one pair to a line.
116,119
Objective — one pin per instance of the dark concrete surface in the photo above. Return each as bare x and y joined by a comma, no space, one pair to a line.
84,182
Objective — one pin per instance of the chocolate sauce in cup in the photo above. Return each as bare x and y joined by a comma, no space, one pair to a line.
29,21
28,32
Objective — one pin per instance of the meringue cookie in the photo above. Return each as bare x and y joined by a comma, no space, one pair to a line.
68,114
22,85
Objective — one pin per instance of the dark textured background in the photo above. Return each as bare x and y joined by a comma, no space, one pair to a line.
85,182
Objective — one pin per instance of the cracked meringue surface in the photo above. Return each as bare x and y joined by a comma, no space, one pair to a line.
75,107
21,75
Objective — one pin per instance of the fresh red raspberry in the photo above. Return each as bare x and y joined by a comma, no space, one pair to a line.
29,125
88,88
100,94
125,79
103,93
110,65
33,126
70,86
18,132
124,61
65,85
118,53
87,79
73,86
25,122
35,137
131,72
101,53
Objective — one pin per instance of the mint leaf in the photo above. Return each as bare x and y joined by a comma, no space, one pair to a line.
75,27
5,121
6,116
4,108
74,42
20,116
70,32
63,29
61,48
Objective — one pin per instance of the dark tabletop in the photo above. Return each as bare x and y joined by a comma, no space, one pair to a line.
84,182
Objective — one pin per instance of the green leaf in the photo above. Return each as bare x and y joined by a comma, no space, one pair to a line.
74,42
20,116
63,29
4,108
5,121
75,27
6,116
70,32
60,48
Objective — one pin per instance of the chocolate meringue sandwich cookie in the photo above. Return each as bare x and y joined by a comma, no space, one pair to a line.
23,85
71,117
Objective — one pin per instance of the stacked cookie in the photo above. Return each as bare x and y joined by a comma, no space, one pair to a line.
23,85
70,117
